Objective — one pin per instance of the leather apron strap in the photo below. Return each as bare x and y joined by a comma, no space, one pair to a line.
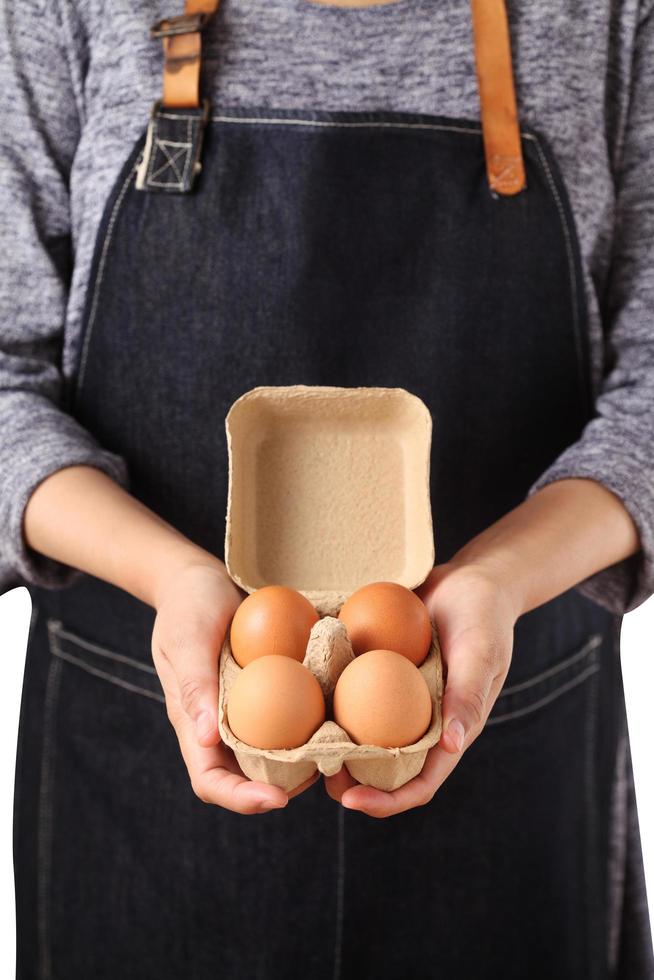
182,45
499,113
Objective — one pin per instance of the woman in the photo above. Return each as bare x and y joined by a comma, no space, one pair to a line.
393,194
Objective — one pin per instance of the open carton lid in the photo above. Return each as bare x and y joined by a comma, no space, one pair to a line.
328,489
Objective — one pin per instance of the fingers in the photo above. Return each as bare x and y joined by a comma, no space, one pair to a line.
189,631
476,666
193,616
338,783
475,619
216,776
417,792
377,803
188,668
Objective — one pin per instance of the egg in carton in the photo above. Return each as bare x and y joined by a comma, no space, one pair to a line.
328,491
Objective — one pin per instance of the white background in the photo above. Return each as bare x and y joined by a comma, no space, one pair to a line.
15,607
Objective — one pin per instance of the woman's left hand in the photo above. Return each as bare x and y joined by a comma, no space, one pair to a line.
474,615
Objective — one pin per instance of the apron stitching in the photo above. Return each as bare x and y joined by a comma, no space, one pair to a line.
570,255
108,677
340,879
44,843
189,154
96,291
620,828
56,627
520,712
591,824
170,162
170,159
617,852
157,142
299,121
593,642
329,124
20,745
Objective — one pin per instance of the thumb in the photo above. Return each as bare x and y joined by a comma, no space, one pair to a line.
474,667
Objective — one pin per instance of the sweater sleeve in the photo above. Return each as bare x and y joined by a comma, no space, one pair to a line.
39,133
616,448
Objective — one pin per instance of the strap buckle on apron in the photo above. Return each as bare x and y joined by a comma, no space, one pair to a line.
181,36
170,160
181,24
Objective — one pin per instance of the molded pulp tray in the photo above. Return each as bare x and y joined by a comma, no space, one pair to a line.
328,491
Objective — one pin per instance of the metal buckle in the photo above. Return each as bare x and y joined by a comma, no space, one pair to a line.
181,24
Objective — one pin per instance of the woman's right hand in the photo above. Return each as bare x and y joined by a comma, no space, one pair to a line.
194,610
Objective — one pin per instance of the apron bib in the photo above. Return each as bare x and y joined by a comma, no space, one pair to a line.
276,247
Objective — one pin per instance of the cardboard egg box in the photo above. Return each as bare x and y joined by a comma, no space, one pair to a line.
328,491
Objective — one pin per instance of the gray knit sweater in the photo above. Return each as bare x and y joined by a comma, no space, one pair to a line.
77,78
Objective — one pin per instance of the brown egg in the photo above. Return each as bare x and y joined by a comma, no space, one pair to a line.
275,703
272,620
384,615
381,698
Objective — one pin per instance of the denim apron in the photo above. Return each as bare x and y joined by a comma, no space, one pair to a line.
323,248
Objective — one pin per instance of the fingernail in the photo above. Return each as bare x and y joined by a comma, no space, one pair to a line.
270,805
204,724
457,732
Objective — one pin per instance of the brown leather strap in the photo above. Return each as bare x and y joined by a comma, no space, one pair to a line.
182,44
499,113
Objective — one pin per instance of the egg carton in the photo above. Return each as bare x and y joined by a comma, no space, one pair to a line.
329,491
328,653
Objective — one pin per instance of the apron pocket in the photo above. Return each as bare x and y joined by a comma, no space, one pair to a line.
103,663
137,877
110,776
546,686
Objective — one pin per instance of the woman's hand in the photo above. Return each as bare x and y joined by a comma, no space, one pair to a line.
541,548
475,616
194,610
81,517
